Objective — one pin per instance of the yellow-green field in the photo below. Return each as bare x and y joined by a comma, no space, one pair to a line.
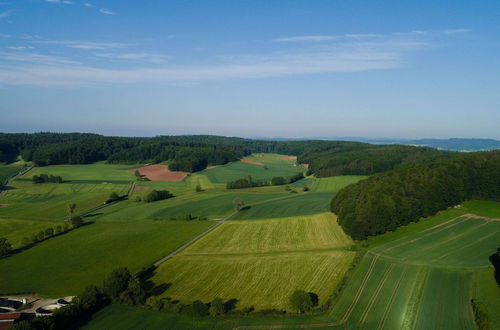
261,262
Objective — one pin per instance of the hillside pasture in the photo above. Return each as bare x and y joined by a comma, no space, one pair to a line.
272,166
48,201
66,264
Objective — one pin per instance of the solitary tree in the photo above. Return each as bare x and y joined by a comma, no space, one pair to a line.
137,174
5,247
238,204
301,301
198,188
71,210
76,221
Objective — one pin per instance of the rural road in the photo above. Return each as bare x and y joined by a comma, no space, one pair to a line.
178,250
4,187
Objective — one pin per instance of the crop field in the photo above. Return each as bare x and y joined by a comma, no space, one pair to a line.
427,279
64,265
291,205
261,262
272,166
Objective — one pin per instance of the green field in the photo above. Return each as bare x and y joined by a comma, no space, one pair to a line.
423,281
273,166
64,265
8,171
48,201
260,263
15,230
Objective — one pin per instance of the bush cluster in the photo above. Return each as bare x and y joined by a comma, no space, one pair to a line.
44,178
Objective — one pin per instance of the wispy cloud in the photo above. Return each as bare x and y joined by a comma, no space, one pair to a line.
20,47
5,35
305,38
107,11
141,57
66,2
84,44
350,53
321,38
34,58
344,59
88,4
455,31
6,13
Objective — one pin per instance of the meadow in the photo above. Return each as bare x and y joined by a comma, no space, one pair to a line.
261,262
8,171
66,264
272,165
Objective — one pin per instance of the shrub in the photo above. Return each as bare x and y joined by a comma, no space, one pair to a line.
5,247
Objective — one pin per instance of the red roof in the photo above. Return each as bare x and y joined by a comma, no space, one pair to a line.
10,316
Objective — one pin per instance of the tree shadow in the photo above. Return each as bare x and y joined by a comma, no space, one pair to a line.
158,289
495,261
314,298
230,304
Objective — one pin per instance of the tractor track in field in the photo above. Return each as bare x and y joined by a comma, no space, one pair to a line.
192,241
391,300
374,296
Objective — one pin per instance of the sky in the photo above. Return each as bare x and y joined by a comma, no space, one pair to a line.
393,69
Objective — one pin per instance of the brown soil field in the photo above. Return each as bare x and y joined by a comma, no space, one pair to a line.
160,173
305,165
289,158
251,162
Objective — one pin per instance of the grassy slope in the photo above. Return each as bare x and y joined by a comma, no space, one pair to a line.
48,201
261,262
7,171
64,265
15,230
237,170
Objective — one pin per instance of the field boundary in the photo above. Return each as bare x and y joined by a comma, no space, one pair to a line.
192,241
3,190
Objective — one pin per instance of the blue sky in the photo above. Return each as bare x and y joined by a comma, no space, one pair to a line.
405,69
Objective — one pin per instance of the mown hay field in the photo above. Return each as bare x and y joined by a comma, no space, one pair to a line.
260,263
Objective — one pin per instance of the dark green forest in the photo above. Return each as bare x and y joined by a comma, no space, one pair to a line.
385,201
193,153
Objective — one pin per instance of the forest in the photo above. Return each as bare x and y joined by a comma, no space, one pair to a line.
191,153
385,201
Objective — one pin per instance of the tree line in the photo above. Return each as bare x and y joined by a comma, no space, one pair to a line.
195,152
44,178
385,201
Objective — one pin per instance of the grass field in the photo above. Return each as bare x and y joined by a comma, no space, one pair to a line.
15,230
48,201
261,262
273,166
212,205
64,265
7,171
290,205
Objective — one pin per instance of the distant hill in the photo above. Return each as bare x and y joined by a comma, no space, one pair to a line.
455,144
